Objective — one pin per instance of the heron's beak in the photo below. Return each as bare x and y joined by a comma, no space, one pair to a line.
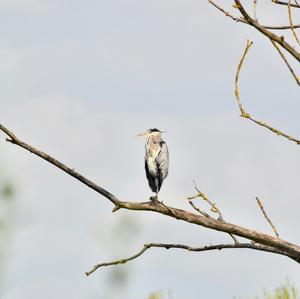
142,134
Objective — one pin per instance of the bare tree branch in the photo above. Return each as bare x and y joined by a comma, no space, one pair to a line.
197,209
236,91
188,248
13,139
289,249
296,5
286,62
244,113
213,207
291,23
261,241
254,9
261,206
226,13
234,18
283,27
279,39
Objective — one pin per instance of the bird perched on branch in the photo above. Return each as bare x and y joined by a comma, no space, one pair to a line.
156,160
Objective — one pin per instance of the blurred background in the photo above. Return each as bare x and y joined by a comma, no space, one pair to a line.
79,79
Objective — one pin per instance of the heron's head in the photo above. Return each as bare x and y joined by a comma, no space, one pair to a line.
151,133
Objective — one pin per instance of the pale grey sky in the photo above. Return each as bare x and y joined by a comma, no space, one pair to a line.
80,80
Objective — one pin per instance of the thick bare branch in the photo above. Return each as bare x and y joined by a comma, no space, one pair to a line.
258,237
13,139
244,113
279,39
188,248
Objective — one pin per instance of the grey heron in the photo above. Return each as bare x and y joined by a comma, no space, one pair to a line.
156,160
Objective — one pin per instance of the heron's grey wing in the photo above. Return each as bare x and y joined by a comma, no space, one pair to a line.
150,178
162,161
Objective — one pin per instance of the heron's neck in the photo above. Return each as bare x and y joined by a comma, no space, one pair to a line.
154,139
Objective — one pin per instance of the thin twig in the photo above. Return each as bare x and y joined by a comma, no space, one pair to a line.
291,22
244,113
197,209
213,207
226,13
188,248
283,27
260,204
234,18
296,5
286,62
274,130
237,93
254,10
190,200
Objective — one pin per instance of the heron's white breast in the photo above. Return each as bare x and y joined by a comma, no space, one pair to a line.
152,166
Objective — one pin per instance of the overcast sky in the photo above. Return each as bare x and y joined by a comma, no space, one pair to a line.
79,79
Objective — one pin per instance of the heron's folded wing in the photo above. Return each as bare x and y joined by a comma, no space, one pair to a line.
162,161
150,178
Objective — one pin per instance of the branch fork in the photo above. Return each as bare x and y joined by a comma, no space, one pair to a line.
263,241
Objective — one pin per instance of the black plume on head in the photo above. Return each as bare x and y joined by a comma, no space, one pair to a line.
154,130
